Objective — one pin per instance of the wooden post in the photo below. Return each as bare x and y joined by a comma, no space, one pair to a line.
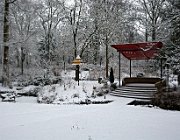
161,67
130,67
119,69
77,62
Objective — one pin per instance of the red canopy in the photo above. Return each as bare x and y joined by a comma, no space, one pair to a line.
139,51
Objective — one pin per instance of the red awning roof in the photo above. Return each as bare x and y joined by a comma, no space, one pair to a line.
139,51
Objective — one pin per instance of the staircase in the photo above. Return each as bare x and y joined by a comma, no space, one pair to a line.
137,92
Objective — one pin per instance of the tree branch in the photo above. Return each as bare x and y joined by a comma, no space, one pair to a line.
10,2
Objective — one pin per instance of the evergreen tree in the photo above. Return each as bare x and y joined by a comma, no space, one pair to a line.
111,78
171,19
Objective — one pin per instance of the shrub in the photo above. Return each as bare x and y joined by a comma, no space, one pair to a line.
167,100
113,86
111,78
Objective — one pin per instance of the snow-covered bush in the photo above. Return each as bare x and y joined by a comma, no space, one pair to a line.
100,91
84,89
75,95
67,80
8,95
113,86
29,91
47,95
39,81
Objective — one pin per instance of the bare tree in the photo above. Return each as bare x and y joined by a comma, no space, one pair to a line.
24,18
152,9
81,26
74,18
50,14
111,19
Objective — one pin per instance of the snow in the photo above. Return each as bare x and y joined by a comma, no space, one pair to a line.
70,92
20,121
28,120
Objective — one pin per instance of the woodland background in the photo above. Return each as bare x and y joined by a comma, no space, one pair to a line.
38,37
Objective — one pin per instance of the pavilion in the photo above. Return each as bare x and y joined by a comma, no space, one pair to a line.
138,51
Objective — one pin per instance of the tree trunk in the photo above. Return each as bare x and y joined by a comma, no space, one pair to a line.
17,58
107,60
22,60
5,74
75,45
146,35
153,33
146,29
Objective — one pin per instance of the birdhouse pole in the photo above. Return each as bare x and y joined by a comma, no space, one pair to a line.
77,62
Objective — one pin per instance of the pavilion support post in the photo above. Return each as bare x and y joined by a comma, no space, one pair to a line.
130,67
119,69
161,67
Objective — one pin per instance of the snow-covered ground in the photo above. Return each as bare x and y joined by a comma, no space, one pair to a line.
27,120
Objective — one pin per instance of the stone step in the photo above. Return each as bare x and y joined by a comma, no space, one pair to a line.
135,96
140,88
135,92
126,91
